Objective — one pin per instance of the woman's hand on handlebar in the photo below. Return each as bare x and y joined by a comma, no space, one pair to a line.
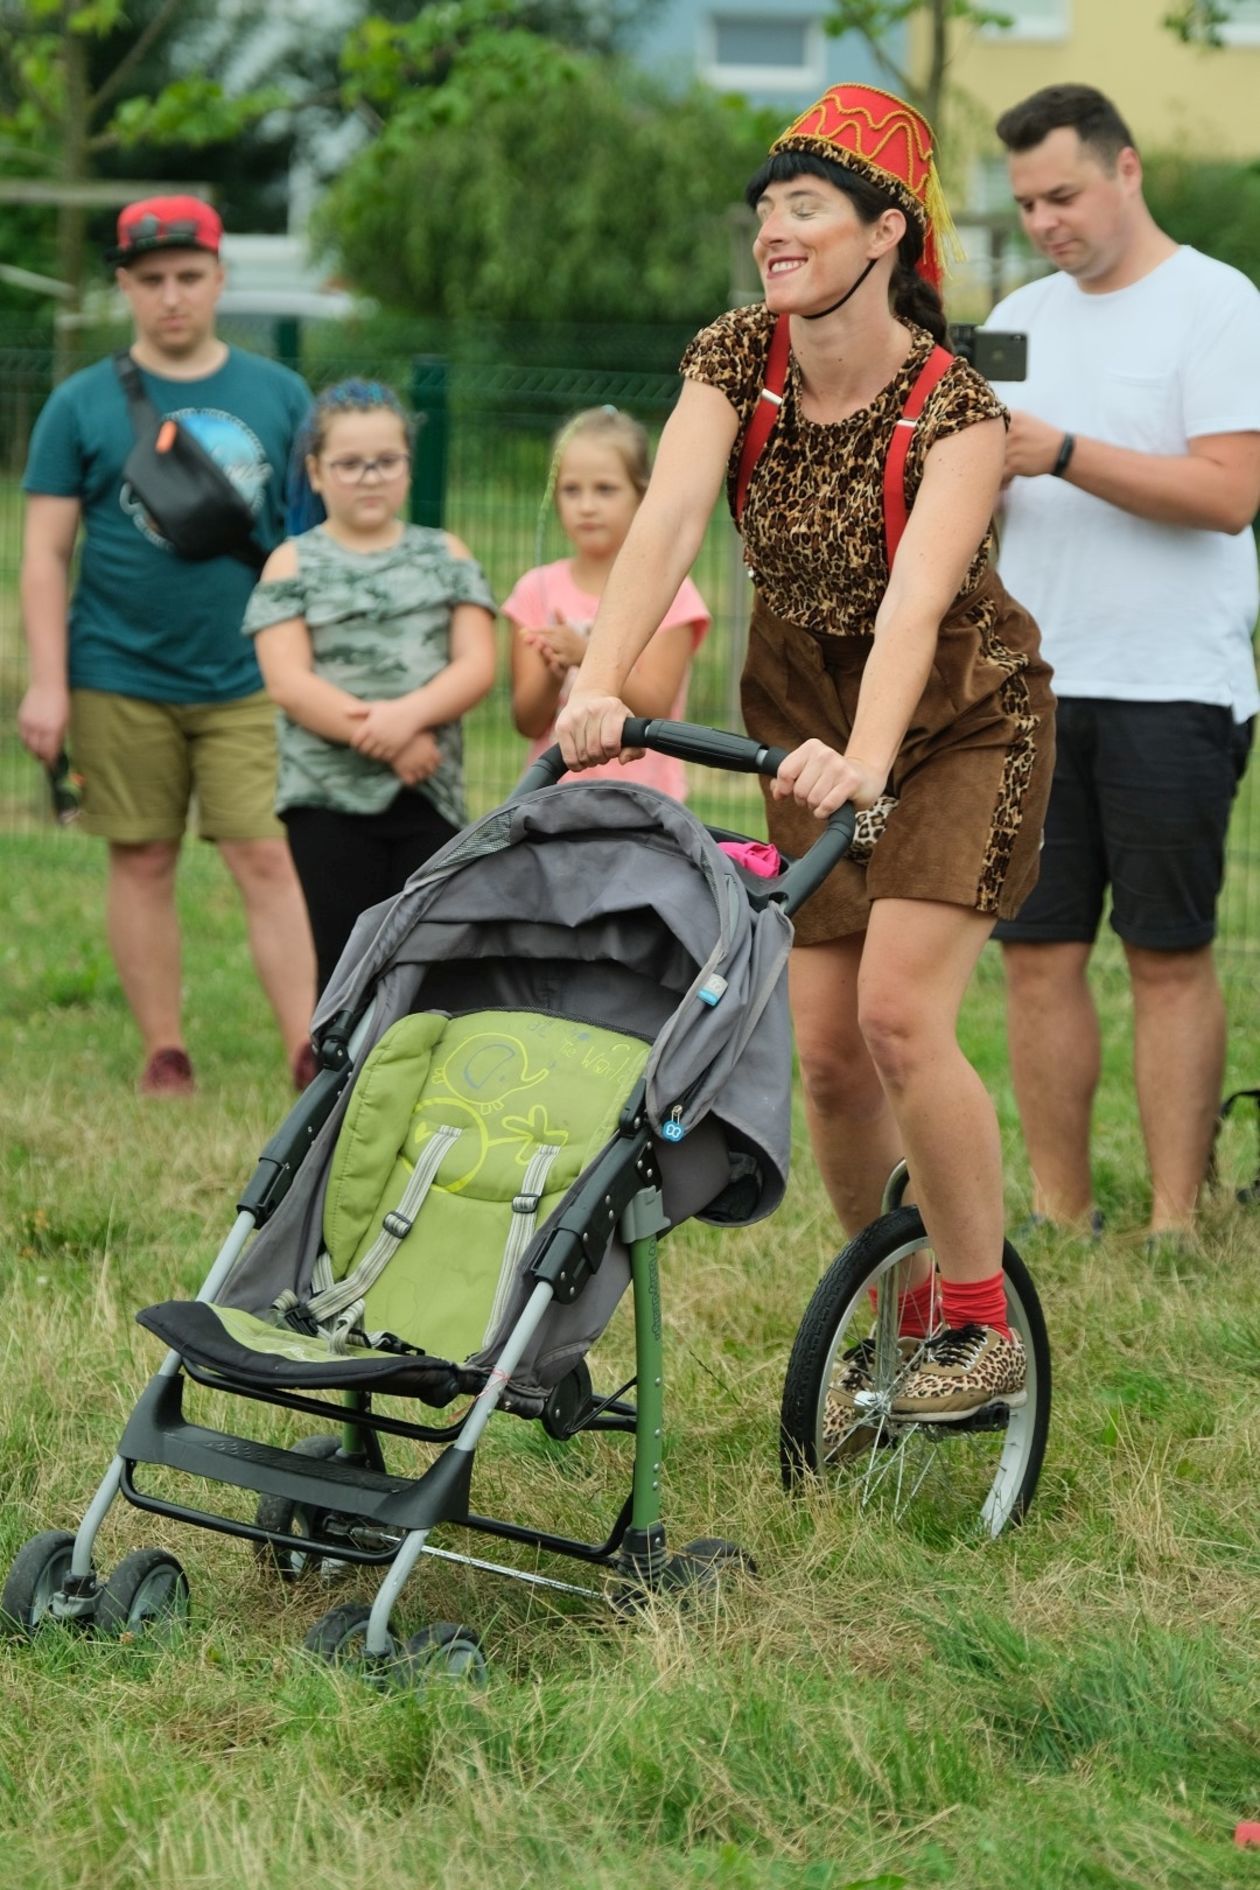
588,729
822,780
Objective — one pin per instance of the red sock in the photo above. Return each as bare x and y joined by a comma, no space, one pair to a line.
916,1309
976,1303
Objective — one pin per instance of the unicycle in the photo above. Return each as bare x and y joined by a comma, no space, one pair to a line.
971,1478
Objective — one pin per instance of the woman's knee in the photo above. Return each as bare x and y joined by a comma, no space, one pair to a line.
897,1033
838,1076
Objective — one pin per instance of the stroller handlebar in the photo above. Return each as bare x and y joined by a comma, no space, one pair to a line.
687,741
713,747
737,754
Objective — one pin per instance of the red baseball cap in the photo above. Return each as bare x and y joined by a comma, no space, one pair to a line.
166,223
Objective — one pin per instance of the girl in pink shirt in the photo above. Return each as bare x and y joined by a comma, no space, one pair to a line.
599,471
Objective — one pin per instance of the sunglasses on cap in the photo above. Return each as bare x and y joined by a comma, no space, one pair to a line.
153,229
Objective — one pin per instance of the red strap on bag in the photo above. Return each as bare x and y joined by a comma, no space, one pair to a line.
767,413
896,511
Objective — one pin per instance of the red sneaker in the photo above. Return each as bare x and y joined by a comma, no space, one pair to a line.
305,1067
168,1073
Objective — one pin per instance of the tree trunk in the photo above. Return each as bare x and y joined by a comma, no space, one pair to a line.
934,85
72,217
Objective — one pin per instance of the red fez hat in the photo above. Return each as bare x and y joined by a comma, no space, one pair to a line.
889,144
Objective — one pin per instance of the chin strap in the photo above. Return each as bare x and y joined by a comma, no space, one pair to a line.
818,315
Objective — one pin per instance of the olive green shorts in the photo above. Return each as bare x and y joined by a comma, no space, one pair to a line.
145,763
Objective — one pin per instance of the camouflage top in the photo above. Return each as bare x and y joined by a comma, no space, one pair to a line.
380,626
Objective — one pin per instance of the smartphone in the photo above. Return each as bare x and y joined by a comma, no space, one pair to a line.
993,352
66,790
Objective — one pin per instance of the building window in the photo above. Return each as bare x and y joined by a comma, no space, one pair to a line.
1242,27
1031,19
990,190
751,52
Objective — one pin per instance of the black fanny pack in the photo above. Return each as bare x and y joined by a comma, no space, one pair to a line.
188,496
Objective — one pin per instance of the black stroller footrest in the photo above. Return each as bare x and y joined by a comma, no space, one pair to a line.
158,1433
197,1333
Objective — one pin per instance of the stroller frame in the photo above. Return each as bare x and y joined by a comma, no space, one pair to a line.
621,1194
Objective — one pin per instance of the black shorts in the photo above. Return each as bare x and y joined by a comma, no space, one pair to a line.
1140,802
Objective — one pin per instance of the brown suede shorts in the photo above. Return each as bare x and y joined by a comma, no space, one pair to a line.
970,781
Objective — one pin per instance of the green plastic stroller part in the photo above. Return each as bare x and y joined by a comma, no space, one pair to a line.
507,1109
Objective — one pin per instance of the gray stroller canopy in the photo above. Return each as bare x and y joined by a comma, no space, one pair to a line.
611,903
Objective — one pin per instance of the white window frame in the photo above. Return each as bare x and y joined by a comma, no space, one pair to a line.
1241,32
809,77
1050,24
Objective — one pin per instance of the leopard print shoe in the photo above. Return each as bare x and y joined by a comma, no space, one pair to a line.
961,1372
844,1433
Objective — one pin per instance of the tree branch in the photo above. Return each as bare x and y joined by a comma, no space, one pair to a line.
21,80
111,86
905,84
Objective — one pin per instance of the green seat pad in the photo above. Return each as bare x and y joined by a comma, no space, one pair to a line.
259,1335
510,1081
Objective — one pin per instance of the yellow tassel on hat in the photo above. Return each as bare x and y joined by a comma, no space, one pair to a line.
940,222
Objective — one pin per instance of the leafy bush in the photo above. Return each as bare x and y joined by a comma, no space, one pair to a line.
1215,206
596,196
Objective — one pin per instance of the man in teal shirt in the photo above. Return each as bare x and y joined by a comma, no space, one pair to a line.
145,664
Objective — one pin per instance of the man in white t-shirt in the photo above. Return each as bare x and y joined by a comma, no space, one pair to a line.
1133,468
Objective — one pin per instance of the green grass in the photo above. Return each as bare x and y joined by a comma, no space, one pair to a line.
1074,1706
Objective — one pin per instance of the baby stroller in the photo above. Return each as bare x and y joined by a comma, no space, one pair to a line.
565,1036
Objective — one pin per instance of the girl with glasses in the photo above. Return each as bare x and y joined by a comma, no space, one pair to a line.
374,637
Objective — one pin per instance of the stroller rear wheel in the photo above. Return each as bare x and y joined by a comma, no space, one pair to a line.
282,1516
706,1567
973,1477
39,1571
146,1598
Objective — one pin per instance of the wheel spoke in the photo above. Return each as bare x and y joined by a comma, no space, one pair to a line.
848,1366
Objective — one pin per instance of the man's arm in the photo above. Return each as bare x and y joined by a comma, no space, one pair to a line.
48,547
1214,486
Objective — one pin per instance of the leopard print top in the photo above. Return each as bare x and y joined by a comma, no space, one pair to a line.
814,517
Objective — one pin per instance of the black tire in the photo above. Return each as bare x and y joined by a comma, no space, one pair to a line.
706,1566
339,1638
285,1516
39,1570
443,1651
974,1477
146,1598
569,1400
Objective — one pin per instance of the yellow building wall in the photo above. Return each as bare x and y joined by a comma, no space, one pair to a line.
1201,99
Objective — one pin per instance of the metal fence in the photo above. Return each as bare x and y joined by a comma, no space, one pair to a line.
483,449
488,403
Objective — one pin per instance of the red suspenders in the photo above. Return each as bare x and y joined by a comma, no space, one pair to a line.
767,412
895,465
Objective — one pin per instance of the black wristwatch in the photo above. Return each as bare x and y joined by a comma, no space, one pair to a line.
1064,460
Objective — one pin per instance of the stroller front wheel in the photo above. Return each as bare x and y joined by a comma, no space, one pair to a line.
146,1598
973,1477
443,1651
340,1638
39,1572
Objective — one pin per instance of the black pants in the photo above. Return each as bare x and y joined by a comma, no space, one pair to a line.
348,862
1140,804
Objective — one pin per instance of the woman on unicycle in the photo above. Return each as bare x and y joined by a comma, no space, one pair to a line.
863,464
